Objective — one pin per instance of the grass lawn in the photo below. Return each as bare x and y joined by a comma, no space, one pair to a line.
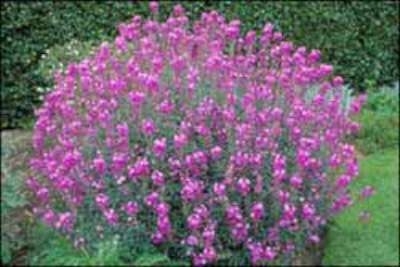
376,242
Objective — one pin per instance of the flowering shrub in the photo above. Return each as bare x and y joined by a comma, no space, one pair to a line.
198,139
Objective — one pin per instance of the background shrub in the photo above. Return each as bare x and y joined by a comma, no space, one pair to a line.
14,154
360,39
379,120
57,58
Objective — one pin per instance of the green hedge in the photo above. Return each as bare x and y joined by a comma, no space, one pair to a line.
360,39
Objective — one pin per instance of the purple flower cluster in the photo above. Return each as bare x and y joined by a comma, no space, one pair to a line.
251,126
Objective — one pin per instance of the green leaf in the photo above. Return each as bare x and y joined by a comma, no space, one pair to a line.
151,259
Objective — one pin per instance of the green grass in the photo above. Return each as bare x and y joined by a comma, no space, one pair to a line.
376,243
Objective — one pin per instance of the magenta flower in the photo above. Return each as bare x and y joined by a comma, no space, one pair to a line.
158,178
102,201
250,38
308,211
154,7
256,252
178,11
209,234
148,127
367,191
159,147
199,260
216,152
162,209
49,218
136,98
233,214
257,211
32,184
194,221
243,186
192,240
341,202
164,225
314,239
119,162
202,211
99,165
65,221
157,238
166,107
219,189
314,56
111,216
192,190
152,199
296,181
123,129
141,168
43,194
210,254
269,253
239,232
71,159
343,181
337,81
180,141
131,208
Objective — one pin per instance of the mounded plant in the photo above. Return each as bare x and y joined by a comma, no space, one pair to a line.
199,140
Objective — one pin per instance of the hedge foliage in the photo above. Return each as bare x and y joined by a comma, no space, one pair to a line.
359,39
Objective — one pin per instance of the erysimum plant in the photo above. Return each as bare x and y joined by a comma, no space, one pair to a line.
195,138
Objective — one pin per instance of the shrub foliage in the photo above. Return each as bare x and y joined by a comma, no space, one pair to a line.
196,140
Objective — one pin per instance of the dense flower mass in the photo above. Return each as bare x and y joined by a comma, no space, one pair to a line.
198,136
